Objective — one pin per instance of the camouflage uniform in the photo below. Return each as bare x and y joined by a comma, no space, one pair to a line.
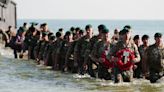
144,68
43,44
69,58
79,52
56,53
63,51
97,51
32,44
155,60
126,75
87,59
48,54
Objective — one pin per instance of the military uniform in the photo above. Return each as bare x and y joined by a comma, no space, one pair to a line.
97,51
87,59
79,52
32,44
69,58
144,67
155,60
48,54
56,53
126,75
40,48
63,50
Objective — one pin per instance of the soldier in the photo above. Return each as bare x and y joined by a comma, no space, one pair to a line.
56,50
115,37
138,70
81,47
126,43
88,61
9,34
142,50
98,50
155,58
63,51
70,54
40,48
48,51
77,33
136,40
32,42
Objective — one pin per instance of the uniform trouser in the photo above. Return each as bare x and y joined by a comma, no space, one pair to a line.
49,59
80,66
126,76
103,72
71,67
138,71
154,76
91,71
15,53
31,52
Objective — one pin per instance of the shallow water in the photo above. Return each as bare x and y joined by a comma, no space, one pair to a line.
25,76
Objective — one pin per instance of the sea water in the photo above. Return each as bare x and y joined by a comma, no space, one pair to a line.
18,75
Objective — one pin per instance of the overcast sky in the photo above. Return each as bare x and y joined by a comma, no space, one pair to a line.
90,9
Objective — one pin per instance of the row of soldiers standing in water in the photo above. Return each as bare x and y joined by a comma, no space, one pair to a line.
119,59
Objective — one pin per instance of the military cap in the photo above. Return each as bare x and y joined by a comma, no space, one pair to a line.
72,29
44,24
34,23
105,30
81,31
68,33
136,37
101,27
127,27
52,37
158,35
58,34
77,29
145,37
124,31
88,26
44,34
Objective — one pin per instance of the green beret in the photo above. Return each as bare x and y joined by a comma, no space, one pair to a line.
124,31
127,27
34,23
101,27
45,33
105,30
158,35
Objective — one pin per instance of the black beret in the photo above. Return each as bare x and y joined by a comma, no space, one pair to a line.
145,37
68,33
58,34
136,37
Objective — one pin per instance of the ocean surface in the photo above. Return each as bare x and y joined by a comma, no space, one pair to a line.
139,27
18,75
